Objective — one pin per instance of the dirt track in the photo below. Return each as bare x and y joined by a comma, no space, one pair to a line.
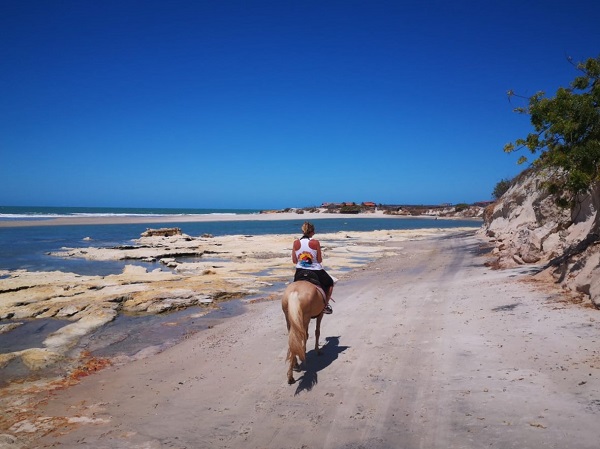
427,350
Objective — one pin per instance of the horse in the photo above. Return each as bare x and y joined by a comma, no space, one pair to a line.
301,301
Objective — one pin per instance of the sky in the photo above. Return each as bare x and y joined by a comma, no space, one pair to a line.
273,104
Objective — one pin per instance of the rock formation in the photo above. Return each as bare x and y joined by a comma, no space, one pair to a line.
162,232
527,227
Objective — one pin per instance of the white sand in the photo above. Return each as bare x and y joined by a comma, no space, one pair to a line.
187,218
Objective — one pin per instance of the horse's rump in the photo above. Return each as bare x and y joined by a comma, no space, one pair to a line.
301,301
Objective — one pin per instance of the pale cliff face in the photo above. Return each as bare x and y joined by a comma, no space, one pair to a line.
527,227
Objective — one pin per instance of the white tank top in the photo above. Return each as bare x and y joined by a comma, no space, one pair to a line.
307,257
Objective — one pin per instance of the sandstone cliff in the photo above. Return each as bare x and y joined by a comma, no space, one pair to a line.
527,227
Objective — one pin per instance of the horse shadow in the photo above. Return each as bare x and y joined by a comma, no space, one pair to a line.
315,363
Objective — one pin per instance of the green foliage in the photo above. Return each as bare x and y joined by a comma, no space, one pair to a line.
350,209
460,207
501,187
567,133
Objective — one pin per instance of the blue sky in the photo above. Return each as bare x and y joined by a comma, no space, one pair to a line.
271,104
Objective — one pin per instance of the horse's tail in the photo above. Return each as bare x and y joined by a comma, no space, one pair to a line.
297,335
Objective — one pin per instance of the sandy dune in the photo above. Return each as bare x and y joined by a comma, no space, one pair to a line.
429,349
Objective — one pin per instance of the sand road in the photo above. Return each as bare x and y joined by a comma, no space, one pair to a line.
427,350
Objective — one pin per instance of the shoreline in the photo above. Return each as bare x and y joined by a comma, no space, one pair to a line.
164,274
472,350
166,219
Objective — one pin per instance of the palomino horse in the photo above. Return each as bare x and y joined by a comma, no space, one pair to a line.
301,301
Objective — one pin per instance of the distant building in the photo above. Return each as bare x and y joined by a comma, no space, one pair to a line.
369,204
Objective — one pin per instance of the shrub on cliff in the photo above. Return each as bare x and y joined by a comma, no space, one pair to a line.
501,187
566,134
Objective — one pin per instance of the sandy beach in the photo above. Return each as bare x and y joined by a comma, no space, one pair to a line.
128,219
427,348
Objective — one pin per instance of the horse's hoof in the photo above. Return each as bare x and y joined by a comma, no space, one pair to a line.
291,381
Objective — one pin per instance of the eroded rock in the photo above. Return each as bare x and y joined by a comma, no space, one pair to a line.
527,227
162,232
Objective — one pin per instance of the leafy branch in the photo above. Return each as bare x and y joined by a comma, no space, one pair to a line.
566,133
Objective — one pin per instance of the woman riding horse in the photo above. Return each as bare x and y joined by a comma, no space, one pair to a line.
302,299
307,255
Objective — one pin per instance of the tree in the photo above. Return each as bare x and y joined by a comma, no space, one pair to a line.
501,187
567,134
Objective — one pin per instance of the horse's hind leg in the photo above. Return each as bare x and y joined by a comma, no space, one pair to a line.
318,334
291,371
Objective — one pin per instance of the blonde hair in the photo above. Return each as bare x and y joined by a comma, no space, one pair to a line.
308,228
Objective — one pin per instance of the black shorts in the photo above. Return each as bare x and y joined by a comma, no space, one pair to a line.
324,279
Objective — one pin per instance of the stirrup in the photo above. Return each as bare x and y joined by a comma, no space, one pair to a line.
328,310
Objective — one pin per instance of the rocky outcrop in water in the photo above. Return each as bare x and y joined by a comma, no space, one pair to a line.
162,232
527,227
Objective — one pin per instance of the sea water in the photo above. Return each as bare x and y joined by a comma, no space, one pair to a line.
28,247
44,212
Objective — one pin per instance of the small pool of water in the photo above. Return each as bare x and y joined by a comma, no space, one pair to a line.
129,334
30,334
126,337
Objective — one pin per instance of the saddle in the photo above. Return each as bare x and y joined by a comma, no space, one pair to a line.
311,276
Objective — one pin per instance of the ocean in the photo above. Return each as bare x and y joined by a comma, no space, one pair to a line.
37,213
28,247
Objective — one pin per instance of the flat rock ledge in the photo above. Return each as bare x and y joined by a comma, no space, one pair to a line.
162,232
